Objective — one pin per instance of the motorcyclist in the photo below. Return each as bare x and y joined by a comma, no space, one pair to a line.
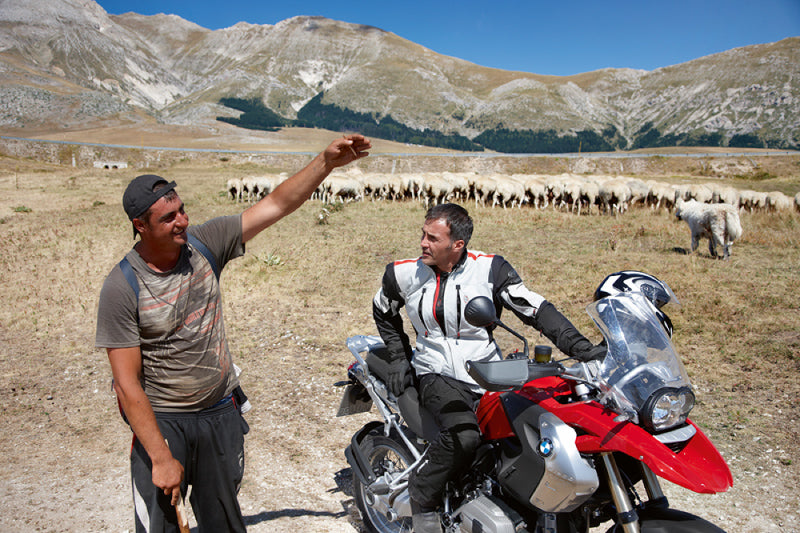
434,289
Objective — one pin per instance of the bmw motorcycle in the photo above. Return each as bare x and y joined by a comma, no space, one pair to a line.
566,446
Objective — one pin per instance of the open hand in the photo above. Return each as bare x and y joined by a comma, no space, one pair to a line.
346,150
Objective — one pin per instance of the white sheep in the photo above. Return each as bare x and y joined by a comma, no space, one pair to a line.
484,188
571,193
640,192
534,189
554,189
262,186
681,191
234,188
436,189
777,201
248,184
508,190
413,185
797,201
400,187
719,223
376,185
460,184
590,191
725,195
341,188
700,192
614,195
660,194
752,200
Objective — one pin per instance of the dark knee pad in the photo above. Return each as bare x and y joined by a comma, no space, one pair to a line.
465,442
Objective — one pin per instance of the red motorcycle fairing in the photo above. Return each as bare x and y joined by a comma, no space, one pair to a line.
698,466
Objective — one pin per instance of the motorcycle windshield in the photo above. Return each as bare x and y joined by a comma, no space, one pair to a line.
641,358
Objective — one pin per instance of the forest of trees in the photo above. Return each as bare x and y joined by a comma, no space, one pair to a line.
315,114
255,115
543,142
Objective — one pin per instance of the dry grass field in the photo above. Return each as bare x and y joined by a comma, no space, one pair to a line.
303,287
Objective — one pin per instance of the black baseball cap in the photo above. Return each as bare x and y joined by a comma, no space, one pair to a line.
139,195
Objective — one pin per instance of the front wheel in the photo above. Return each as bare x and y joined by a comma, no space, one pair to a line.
385,455
657,520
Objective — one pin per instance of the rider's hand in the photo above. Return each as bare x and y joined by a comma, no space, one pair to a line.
398,376
595,353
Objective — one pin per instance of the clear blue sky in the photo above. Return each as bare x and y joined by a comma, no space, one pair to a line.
557,37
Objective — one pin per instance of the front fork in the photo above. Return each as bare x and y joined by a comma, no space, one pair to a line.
626,512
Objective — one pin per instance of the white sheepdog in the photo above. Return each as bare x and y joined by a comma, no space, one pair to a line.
719,223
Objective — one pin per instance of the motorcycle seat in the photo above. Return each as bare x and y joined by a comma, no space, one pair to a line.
417,418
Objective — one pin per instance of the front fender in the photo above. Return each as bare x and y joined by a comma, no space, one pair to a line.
697,465
656,520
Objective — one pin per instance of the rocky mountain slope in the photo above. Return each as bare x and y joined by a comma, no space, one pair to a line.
68,64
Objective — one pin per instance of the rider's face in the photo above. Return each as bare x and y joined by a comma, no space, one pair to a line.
438,248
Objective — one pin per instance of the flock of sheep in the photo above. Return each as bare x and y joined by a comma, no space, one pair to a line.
711,210
576,193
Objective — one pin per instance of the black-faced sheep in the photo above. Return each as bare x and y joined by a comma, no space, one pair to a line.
719,223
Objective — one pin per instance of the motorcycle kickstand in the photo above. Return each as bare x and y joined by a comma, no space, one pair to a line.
626,514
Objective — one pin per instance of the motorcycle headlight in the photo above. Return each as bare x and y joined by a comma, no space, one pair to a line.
667,408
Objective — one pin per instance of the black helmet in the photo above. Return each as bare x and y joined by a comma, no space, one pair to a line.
655,290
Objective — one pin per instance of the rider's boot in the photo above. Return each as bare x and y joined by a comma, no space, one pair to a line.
425,519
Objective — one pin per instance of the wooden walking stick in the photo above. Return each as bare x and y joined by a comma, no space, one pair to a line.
183,520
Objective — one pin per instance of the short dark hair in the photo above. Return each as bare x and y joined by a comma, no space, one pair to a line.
457,219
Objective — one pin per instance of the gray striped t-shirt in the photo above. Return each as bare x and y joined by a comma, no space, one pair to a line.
177,322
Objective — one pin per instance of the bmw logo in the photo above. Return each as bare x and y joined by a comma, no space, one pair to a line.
546,447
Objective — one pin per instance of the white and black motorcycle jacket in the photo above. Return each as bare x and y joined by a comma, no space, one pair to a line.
435,302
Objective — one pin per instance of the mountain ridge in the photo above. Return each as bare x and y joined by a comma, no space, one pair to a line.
69,63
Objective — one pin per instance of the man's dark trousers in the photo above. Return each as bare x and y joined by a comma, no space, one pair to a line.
210,446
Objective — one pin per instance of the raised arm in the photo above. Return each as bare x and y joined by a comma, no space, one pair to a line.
291,194
126,365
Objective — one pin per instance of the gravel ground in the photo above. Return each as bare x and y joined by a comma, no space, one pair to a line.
296,476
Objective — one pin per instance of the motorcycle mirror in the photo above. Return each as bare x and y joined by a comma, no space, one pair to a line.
480,312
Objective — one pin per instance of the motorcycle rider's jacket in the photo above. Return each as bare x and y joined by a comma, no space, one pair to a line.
435,302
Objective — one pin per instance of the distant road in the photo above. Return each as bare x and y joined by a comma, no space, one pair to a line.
573,155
